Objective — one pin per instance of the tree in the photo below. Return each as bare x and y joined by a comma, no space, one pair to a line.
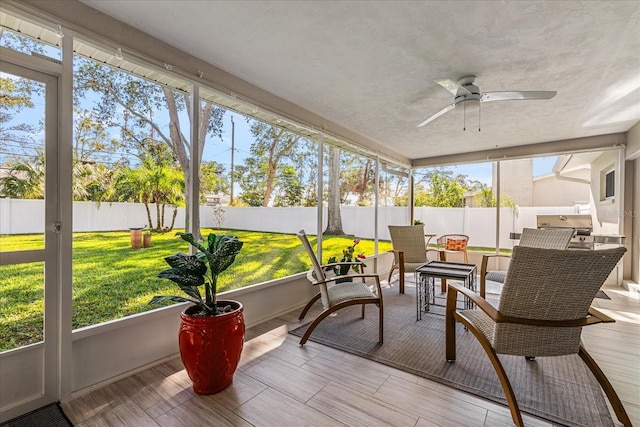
290,189
358,178
148,183
15,96
486,199
213,180
334,216
265,171
140,108
24,179
445,192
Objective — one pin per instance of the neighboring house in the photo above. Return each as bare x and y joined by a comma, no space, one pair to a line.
218,199
562,187
567,189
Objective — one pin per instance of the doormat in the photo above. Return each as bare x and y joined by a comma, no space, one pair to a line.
47,416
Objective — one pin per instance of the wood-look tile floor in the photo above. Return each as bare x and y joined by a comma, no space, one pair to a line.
279,383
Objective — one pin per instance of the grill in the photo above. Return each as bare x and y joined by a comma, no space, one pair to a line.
582,225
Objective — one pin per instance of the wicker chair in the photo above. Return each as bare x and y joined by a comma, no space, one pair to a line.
409,250
557,238
544,304
338,292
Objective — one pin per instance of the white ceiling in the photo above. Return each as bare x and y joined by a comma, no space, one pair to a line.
370,66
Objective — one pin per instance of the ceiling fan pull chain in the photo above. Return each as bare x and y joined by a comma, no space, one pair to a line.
479,114
464,116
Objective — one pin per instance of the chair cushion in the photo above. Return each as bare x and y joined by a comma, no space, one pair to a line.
482,321
347,291
455,244
496,276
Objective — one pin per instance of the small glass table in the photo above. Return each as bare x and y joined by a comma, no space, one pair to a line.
427,274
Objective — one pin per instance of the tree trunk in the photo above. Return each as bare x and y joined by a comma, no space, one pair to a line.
334,217
146,206
158,221
173,218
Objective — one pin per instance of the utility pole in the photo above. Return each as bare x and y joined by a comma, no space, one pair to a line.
233,150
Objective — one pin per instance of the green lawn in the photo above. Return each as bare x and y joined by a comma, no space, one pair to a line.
111,280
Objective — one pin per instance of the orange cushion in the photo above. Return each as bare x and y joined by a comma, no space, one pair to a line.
456,245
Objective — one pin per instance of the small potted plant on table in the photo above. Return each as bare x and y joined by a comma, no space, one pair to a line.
211,334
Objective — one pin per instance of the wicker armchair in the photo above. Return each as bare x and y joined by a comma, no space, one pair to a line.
409,250
553,238
544,304
338,292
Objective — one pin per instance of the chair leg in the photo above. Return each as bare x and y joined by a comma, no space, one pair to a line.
618,408
308,306
393,267
497,366
315,323
450,327
381,322
362,315
327,312
401,271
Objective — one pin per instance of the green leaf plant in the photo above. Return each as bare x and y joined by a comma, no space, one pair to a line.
190,272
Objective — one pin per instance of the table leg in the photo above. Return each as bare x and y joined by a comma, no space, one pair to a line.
443,282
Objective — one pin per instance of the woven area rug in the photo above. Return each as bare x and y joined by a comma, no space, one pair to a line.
47,416
558,389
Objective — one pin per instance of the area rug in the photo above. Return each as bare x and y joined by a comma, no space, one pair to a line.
558,389
602,295
47,416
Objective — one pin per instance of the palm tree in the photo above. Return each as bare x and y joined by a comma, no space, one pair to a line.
150,183
25,179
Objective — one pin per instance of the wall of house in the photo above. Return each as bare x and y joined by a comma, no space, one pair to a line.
516,181
548,190
605,212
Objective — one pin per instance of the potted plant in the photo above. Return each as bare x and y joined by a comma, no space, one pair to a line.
348,261
211,332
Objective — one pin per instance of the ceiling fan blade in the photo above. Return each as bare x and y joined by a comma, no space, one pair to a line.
452,87
438,114
509,96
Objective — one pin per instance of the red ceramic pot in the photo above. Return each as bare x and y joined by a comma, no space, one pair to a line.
210,347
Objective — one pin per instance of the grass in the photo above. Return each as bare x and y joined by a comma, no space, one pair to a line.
111,280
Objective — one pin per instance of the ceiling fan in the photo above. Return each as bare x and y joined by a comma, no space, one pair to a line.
464,90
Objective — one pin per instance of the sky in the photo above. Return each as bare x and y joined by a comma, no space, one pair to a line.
221,152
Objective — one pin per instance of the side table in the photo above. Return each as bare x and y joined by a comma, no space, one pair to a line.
429,272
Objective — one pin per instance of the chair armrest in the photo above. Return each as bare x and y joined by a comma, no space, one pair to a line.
485,261
477,299
363,277
595,316
603,318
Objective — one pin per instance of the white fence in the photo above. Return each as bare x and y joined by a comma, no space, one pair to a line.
27,216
